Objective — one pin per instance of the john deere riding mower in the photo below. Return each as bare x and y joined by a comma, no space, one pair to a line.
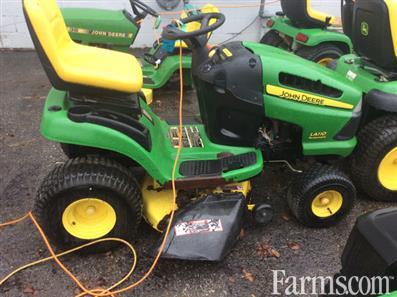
118,30
311,34
257,104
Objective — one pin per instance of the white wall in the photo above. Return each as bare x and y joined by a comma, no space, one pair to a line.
14,34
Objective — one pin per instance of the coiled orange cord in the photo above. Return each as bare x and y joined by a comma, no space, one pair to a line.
99,292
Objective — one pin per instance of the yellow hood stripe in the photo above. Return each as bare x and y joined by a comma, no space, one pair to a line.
305,97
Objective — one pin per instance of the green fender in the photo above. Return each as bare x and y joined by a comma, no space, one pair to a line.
156,78
316,35
56,126
353,68
158,163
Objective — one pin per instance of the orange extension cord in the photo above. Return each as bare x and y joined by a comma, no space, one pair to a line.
99,292
108,291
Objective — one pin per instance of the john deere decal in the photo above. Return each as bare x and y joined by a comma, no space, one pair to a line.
100,33
305,97
364,29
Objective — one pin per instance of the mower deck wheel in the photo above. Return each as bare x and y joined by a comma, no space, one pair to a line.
89,198
374,162
321,196
263,214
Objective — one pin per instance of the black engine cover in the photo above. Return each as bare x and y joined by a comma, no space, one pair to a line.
230,93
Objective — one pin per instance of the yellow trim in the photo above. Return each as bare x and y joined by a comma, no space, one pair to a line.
148,95
89,218
305,97
211,53
327,204
317,15
80,64
392,7
227,52
325,61
158,203
387,171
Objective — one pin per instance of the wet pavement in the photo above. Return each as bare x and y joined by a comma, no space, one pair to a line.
26,158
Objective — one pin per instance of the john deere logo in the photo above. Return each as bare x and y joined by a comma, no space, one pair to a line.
364,29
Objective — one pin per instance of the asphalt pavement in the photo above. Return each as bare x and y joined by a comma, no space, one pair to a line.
26,157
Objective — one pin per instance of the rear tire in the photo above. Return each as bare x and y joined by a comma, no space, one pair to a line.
86,199
321,196
322,54
272,38
376,141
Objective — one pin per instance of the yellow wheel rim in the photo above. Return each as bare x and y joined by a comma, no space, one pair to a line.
89,218
324,61
387,171
327,203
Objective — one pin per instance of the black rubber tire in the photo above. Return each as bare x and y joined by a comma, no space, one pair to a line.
94,177
321,51
375,140
272,38
312,182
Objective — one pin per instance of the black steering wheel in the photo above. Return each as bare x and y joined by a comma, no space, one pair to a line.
172,32
142,10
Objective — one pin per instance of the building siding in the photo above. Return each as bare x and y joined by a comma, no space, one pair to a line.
14,33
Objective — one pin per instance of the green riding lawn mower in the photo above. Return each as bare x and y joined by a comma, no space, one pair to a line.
258,104
118,30
311,34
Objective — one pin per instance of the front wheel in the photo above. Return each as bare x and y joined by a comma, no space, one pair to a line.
322,54
89,198
321,196
374,162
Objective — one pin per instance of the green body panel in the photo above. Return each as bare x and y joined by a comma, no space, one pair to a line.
316,35
106,28
351,67
155,78
56,126
310,117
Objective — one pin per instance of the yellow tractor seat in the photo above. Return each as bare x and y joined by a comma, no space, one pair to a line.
374,31
193,26
74,67
301,13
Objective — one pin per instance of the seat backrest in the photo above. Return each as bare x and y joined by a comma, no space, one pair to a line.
47,27
375,31
301,13
347,16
